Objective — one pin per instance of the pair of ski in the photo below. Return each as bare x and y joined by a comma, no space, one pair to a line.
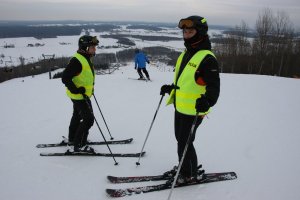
138,79
64,143
207,178
71,153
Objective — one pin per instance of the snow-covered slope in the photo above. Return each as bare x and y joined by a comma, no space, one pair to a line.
253,130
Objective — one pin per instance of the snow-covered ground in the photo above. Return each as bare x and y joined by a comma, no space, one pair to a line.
253,130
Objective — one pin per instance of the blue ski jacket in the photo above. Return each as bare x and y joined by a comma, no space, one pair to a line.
140,60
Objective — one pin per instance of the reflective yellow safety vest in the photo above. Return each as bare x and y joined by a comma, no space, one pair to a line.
85,79
189,91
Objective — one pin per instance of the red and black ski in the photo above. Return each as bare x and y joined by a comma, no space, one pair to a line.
207,178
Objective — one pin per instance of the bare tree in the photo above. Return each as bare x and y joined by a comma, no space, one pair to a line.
22,60
275,49
264,29
233,48
296,58
283,34
243,48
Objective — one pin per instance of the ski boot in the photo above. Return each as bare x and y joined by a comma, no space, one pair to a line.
183,180
171,173
66,141
84,149
200,173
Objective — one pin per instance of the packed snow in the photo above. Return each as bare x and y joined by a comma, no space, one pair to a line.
253,130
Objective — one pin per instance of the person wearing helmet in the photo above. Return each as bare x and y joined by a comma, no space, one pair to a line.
79,77
195,90
140,60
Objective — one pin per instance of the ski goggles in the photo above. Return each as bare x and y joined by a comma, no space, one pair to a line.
95,41
188,23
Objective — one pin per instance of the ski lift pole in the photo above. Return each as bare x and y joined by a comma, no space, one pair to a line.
184,153
103,118
49,57
162,96
89,106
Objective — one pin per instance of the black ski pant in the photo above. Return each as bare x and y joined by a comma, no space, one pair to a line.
139,70
183,124
81,121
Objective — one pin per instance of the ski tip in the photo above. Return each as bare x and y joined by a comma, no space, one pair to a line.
233,174
112,179
143,153
110,192
114,193
229,175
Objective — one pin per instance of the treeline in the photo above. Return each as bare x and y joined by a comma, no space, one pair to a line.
122,39
275,49
31,69
142,37
145,27
101,61
8,31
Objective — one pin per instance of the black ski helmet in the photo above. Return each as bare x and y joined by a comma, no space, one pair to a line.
87,41
197,22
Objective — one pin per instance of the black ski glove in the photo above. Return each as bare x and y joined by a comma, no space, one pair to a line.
80,90
167,89
202,104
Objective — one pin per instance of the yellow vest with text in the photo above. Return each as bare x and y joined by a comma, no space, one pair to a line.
189,91
85,79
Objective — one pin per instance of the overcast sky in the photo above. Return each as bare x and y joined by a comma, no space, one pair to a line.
228,12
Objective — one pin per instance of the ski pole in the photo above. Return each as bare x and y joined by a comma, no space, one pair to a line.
103,117
162,96
183,155
89,106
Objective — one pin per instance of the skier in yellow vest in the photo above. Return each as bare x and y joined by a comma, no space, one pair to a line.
195,89
79,78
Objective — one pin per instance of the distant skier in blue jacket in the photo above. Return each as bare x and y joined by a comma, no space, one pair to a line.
140,60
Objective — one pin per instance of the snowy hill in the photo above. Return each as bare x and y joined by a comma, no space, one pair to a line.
253,130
